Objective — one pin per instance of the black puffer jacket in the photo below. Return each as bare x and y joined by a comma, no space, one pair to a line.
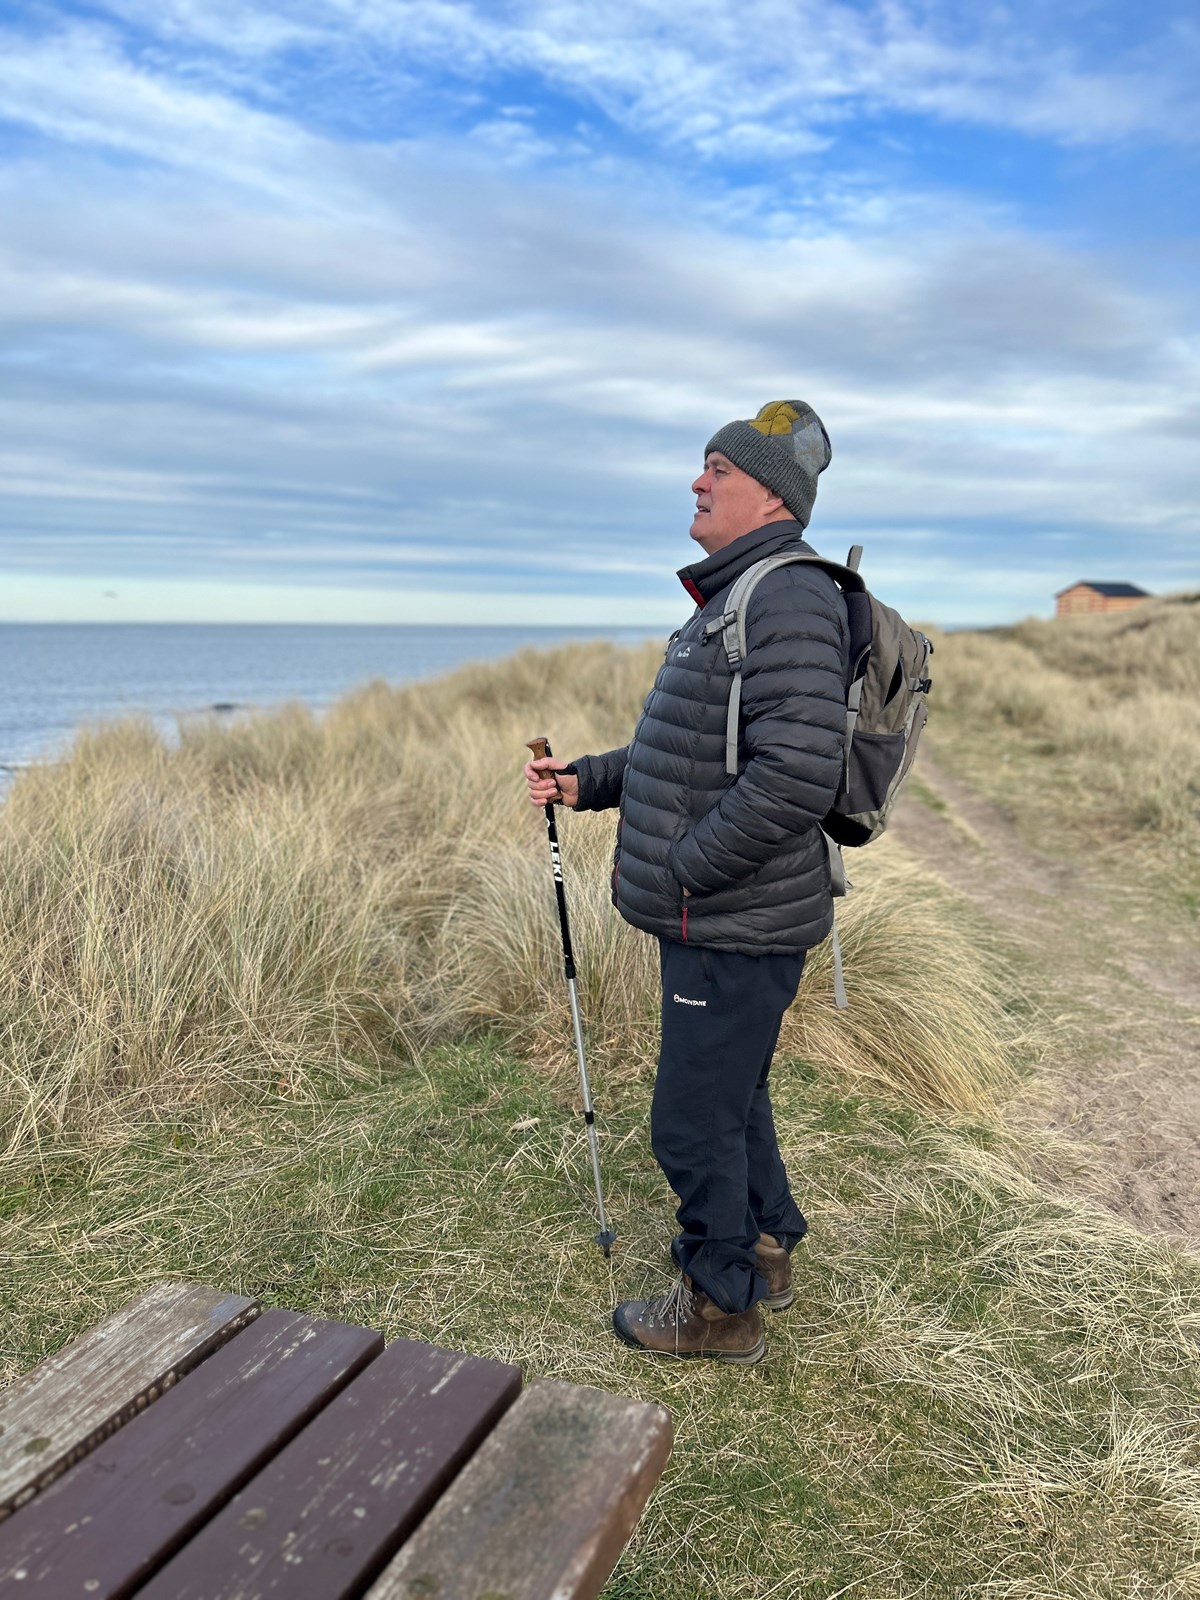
749,850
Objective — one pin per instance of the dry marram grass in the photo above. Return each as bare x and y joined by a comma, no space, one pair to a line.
291,900
1108,702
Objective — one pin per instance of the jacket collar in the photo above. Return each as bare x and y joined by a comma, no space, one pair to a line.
707,578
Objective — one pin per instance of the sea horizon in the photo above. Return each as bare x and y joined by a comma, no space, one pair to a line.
60,677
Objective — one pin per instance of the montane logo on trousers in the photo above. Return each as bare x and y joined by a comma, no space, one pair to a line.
682,1000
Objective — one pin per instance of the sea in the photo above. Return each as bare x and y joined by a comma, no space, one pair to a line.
56,678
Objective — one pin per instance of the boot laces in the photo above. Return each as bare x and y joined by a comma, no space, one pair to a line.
668,1310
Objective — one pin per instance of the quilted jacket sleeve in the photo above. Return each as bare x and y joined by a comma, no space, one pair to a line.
600,779
792,732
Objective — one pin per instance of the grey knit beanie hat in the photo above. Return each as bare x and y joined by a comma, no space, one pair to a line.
785,447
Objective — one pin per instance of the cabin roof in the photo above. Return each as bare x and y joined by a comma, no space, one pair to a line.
1124,590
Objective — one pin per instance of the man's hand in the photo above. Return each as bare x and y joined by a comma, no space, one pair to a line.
546,789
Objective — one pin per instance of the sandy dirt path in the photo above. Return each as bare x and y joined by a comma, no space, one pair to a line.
1125,1085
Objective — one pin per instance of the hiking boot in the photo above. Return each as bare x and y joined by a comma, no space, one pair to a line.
773,1263
685,1322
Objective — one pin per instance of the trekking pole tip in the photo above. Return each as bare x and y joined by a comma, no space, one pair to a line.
606,1242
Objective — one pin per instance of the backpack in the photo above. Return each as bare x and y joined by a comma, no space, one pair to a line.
887,684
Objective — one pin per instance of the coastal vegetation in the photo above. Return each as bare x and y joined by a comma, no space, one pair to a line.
1086,726
281,1009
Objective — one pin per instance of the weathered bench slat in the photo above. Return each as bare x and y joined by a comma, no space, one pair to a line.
54,1415
546,1506
334,1505
116,1516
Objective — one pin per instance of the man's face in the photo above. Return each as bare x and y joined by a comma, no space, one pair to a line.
729,503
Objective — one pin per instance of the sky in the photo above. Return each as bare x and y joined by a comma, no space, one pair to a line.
424,310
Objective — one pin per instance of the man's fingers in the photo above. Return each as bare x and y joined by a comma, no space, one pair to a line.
543,786
545,783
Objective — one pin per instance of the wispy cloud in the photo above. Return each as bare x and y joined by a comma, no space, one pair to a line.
487,342
78,86
766,75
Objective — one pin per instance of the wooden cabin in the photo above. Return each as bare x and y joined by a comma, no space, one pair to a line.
1086,596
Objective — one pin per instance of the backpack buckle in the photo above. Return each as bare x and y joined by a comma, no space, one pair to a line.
727,626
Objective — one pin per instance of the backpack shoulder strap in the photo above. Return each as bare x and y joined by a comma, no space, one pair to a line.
731,625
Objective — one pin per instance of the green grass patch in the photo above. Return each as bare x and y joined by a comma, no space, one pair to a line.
979,1391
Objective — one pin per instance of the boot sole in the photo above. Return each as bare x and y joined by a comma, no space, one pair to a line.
732,1358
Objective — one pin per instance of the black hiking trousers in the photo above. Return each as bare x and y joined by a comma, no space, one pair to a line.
711,1125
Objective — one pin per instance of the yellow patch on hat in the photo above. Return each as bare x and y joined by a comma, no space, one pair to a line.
777,416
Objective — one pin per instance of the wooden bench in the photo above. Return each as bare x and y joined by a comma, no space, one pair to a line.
191,1448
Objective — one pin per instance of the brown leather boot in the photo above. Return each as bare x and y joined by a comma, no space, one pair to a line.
775,1265
685,1322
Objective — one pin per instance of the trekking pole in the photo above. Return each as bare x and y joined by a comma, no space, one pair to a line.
606,1238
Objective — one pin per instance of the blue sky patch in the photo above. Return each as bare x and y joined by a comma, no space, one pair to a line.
426,309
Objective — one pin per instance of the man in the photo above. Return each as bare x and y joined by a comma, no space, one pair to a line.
731,875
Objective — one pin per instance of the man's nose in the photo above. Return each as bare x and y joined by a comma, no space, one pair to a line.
701,484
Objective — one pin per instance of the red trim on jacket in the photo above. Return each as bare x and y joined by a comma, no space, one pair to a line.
693,591
685,909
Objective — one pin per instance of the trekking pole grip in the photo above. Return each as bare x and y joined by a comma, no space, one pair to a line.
541,748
